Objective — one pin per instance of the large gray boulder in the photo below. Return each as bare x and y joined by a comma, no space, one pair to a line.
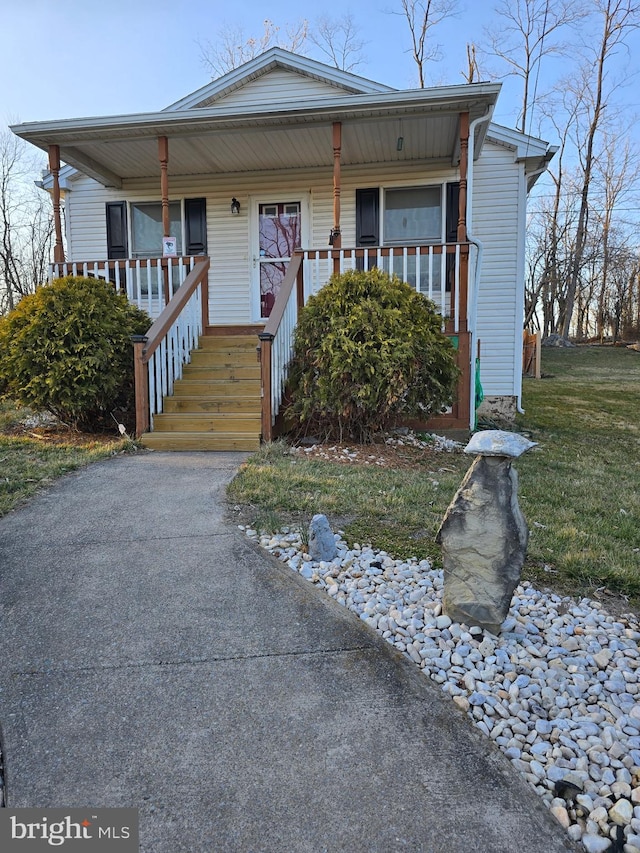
322,542
484,539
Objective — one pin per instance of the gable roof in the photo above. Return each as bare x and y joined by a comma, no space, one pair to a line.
272,59
276,112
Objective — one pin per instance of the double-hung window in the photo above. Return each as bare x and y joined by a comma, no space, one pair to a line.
413,216
147,230
134,228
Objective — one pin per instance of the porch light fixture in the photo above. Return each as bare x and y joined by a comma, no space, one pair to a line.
235,206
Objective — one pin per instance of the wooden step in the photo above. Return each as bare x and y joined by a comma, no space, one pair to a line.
227,422
210,403
228,373
200,441
223,358
195,387
229,342
248,329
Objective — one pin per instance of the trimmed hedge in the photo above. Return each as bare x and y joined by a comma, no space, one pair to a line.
368,349
66,349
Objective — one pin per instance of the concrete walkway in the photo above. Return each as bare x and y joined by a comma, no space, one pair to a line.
153,658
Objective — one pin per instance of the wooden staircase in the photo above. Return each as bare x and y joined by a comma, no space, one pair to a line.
216,404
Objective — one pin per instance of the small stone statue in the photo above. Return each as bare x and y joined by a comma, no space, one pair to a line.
484,535
322,542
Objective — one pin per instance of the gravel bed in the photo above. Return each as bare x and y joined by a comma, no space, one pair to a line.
557,691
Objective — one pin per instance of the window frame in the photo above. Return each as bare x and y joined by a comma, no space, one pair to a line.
426,241
182,236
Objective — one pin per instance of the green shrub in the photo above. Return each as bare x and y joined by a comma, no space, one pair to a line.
66,349
368,348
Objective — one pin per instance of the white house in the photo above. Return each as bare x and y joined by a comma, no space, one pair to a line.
256,187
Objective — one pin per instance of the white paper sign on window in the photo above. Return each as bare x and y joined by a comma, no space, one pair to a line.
169,247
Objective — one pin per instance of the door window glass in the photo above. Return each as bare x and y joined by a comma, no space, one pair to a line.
279,237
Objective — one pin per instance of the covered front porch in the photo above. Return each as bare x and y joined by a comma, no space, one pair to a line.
170,207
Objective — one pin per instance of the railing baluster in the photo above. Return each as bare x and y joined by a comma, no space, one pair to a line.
457,288
129,280
169,274
443,287
149,288
431,274
159,287
152,367
137,290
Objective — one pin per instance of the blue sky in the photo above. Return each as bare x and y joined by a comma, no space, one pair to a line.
73,58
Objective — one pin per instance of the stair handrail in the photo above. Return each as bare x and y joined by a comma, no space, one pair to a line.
173,345
276,341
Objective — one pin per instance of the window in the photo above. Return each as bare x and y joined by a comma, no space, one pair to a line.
412,216
147,231
139,225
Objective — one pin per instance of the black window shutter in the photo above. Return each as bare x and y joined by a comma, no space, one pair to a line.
368,217
117,230
453,196
195,214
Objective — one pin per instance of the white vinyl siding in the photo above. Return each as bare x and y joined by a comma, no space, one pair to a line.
276,85
497,191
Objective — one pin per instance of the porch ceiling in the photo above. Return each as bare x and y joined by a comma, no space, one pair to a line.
276,137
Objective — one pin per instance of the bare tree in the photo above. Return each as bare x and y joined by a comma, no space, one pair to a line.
615,173
26,223
422,17
555,215
233,48
619,17
338,41
472,74
528,32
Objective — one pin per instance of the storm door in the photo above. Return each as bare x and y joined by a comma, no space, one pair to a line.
279,235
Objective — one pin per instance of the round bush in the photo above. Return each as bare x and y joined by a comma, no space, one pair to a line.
66,349
367,349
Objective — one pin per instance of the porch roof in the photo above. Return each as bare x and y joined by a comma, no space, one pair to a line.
228,138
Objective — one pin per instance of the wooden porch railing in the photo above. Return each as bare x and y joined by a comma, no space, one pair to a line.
160,355
276,342
441,272
149,283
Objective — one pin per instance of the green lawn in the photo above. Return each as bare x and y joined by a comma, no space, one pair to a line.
579,489
30,461
583,483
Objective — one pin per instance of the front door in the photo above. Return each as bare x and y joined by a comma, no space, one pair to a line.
279,234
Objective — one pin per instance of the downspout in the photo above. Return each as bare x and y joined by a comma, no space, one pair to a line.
478,264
